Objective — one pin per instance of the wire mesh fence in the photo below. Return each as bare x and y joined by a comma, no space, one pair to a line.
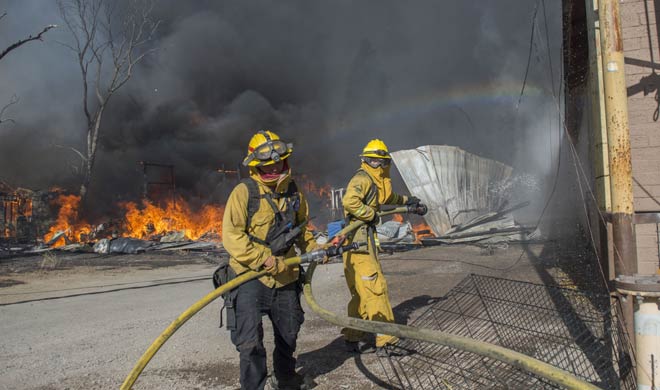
576,331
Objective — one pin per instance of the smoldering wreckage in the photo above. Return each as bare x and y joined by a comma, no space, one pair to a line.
33,222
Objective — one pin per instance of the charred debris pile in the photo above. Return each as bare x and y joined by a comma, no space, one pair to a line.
33,222
462,190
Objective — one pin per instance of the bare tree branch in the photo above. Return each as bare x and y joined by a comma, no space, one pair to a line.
76,170
71,148
14,99
26,40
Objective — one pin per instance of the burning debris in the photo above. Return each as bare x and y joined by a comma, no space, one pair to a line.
146,227
152,224
24,214
175,221
460,188
68,228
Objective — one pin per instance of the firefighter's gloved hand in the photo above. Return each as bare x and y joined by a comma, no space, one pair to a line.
413,201
327,249
274,265
325,259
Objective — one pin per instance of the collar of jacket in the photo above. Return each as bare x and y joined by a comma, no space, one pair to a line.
381,177
378,174
282,183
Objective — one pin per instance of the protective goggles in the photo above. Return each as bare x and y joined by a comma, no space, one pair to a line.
378,162
271,150
379,152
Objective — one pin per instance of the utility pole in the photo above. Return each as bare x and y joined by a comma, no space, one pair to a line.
618,136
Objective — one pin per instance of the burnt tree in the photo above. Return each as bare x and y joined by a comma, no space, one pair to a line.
109,39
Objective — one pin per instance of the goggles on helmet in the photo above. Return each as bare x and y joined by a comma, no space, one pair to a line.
379,152
377,162
271,150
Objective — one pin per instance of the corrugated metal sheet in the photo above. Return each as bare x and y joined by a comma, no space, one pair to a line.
456,185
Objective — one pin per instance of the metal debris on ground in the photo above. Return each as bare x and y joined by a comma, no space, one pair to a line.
576,331
134,245
487,229
466,195
122,245
395,232
56,237
188,246
76,247
178,236
457,186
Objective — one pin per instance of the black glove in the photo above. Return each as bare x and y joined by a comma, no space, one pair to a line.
412,201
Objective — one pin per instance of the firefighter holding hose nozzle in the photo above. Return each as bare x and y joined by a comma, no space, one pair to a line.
264,217
367,190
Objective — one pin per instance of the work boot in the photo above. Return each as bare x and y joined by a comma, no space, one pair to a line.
294,382
361,347
393,350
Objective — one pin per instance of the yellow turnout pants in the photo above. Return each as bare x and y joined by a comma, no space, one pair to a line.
369,296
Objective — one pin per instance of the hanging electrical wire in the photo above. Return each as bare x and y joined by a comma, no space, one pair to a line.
529,54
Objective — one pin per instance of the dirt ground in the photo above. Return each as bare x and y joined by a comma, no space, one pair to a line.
81,321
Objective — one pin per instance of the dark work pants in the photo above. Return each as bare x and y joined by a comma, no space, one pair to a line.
282,305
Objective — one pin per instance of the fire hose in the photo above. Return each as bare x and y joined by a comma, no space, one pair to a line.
513,358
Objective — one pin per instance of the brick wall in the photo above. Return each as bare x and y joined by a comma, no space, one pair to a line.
640,43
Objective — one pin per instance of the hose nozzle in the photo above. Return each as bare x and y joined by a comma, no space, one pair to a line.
419,209
320,254
338,250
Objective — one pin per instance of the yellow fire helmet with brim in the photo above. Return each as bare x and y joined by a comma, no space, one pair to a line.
376,149
266,148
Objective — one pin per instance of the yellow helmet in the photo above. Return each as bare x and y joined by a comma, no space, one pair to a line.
266,148
376,149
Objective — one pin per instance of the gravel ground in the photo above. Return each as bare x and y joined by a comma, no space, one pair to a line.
110,309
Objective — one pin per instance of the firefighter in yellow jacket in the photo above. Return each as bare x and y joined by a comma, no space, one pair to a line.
264,218
370,188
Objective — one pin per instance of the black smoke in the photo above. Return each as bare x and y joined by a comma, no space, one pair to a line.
327,76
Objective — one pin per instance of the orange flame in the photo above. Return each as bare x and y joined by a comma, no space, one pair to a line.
14,207
311,226
151,220
67,221
146,221
422,230
309,187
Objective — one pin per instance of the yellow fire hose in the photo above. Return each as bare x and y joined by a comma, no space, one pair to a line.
181,319
513,358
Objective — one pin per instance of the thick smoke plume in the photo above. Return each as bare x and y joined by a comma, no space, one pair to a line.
327,76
